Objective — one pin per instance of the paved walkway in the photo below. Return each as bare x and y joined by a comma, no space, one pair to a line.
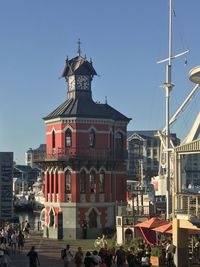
48,252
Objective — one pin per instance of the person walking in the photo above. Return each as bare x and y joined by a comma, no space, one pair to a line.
79,257
67,256
26,229
88,261
33,257
131,258
13,241
20,240
121,257
170,254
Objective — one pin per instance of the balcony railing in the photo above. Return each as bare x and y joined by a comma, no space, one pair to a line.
187,205
59,154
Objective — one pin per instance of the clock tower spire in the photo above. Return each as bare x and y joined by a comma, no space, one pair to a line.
79,73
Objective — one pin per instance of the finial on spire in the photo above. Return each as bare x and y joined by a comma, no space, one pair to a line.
79,47
106,102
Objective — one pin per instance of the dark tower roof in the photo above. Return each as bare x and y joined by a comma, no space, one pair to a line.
86,108
78,66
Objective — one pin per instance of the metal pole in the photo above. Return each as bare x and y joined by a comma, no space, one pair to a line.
168,88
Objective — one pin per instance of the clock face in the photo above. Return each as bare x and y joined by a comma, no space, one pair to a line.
83,82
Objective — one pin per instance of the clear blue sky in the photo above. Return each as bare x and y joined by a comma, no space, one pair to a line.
124,39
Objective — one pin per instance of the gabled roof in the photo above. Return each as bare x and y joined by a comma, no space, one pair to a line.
25,168
144,134
78,66
87,108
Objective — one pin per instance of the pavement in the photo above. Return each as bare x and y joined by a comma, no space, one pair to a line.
48,252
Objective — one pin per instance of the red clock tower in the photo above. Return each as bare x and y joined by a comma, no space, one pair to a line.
85,162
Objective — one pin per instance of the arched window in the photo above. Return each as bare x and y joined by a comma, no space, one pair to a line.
52,182
68,182
47,183
51,218
68,138
53,139
102,182
91,138
92,183
93,219
111,139
56,174
83,182
119,144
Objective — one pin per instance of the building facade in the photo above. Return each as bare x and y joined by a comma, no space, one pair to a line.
32,154
6,183
85,162
144,153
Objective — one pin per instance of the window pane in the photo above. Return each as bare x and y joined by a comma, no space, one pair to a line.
92,183
83,182
92,138
67,182
68,137
53,140
102,183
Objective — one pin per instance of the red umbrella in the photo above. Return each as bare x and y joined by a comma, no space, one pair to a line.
151,223
163,228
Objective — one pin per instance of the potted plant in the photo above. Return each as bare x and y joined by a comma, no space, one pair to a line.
157,257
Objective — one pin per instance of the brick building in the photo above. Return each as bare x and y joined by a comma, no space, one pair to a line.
85,162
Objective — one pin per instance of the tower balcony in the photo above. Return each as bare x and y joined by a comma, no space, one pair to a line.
187,207
89,154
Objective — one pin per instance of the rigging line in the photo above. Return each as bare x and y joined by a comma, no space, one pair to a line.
180,34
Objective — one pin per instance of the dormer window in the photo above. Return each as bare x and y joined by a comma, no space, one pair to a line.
68,138
92,138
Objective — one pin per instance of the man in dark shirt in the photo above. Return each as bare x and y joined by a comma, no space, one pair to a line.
33,257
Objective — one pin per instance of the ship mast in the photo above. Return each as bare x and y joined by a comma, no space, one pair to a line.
168,87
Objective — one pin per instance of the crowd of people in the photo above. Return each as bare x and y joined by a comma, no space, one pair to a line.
12,239
104,257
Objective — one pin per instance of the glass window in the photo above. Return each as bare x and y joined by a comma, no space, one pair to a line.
52,182
83,182
92,138
67,182
47,184
93,219
119,143
92,183
53,139
68,138
102,182
51,218
56,174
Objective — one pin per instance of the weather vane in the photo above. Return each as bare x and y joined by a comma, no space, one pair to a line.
79,47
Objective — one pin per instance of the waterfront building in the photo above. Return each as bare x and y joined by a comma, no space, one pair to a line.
26,175
192,170
32,154
85,161
6,183
144,153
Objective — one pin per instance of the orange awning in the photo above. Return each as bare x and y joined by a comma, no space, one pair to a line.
151,223
190,232
163,228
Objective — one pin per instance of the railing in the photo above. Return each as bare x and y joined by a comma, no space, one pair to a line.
73,153
187,204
